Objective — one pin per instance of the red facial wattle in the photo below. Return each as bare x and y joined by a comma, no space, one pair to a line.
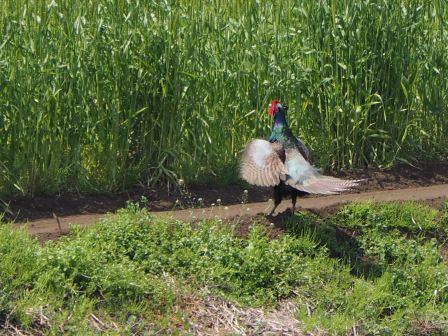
273,107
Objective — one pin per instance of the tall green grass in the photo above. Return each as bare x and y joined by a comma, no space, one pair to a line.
97,95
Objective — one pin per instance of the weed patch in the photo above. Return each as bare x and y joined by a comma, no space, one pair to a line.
133,272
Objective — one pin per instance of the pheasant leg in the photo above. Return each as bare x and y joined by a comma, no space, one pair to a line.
294,201
277,199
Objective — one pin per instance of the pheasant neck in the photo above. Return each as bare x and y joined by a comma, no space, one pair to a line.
280,125
280,121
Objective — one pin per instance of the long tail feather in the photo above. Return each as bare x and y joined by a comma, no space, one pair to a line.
327,185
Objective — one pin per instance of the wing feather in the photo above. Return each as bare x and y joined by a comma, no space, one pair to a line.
261,163
303,176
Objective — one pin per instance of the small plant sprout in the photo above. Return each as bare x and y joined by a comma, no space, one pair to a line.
177,204
245,197
144,201
185,195
270,204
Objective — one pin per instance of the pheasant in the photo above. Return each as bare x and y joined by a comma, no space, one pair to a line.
283,162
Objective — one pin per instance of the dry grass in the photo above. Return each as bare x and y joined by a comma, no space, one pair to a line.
215,316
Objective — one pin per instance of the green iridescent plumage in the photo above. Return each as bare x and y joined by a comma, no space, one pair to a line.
283,134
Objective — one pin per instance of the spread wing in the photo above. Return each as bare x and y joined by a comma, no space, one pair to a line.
266,164
262,163
303,176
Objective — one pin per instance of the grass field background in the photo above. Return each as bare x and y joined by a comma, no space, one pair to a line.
98,95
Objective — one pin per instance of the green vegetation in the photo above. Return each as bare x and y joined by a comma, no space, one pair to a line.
97,95
133,272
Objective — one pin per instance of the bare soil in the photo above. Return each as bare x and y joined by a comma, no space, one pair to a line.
427,183
23,209
243,214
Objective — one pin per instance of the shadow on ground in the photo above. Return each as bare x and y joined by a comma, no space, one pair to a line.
341,243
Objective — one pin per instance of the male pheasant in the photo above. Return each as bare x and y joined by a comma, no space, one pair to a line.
283,162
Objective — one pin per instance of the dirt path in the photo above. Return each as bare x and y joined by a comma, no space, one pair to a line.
22,209
46,229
